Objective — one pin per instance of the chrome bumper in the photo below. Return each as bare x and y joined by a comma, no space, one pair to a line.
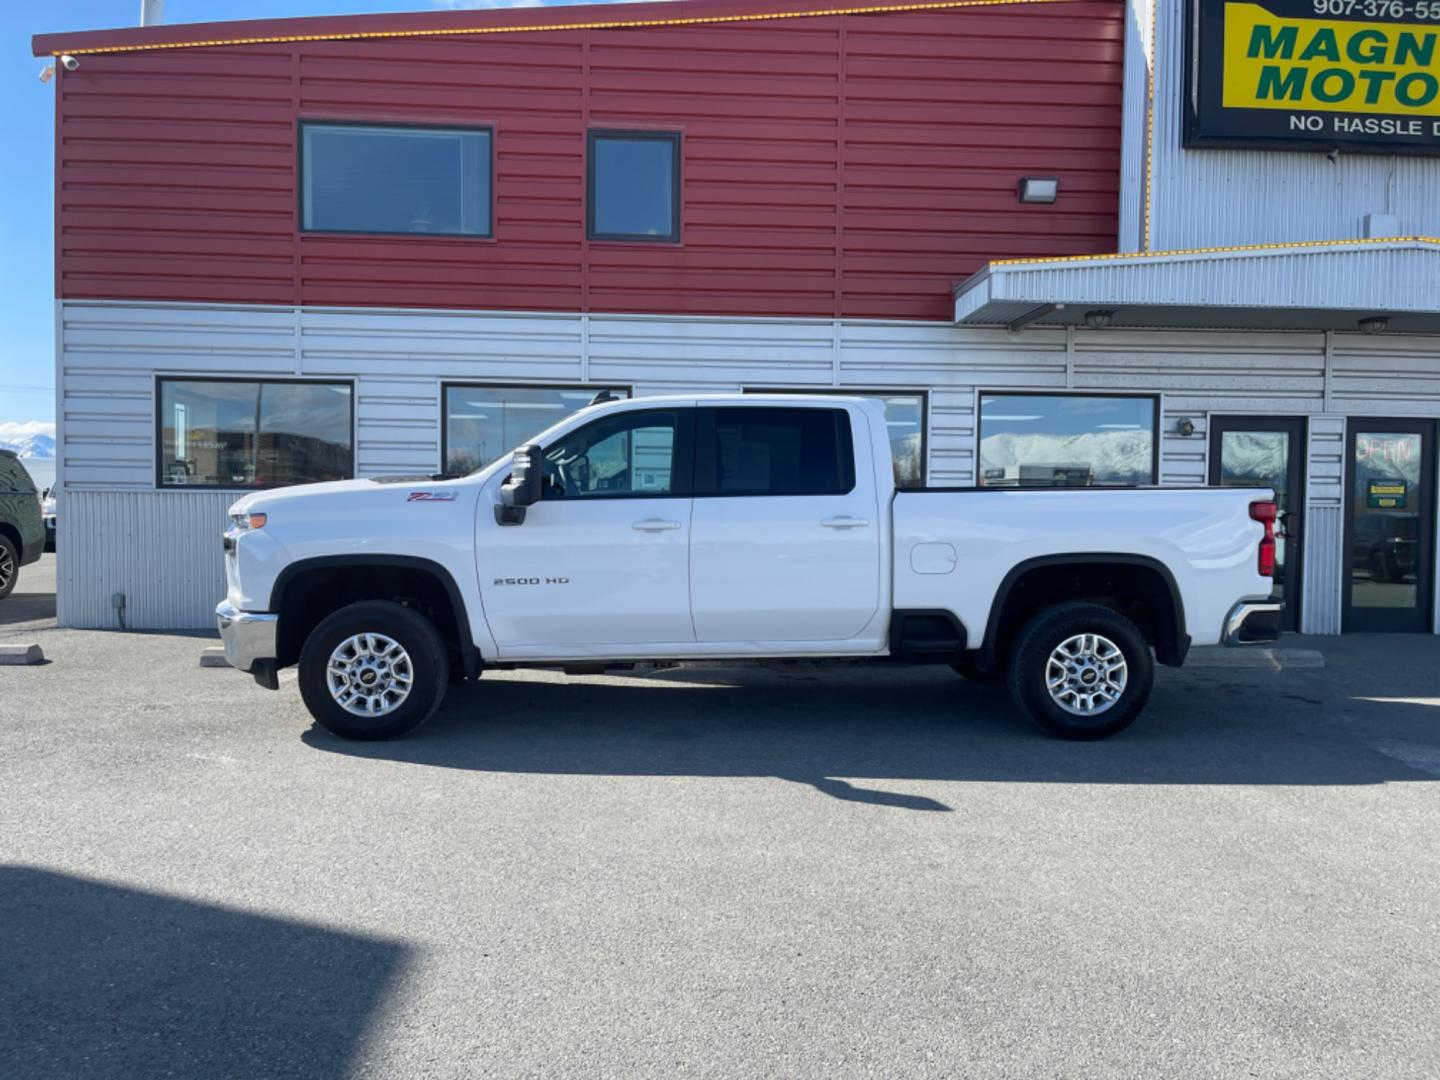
249,636
1253,621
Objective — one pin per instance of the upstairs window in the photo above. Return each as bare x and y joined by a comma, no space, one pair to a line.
395,180
634,185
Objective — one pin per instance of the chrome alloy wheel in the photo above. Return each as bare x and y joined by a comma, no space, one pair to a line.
369,675
7,568
1086,674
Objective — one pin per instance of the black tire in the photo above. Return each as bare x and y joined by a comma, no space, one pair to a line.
1030,662
9,567
973,672
415,634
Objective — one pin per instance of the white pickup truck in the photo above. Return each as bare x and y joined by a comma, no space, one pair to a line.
732,527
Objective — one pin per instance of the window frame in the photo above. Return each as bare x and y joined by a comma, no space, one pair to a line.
158,403
1157,412
672,136
446,385
704,432
682,463
394,125
871,392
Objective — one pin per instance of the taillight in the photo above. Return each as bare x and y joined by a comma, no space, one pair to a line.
1264,512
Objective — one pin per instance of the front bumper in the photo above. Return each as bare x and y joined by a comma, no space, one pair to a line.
249,637
1253,621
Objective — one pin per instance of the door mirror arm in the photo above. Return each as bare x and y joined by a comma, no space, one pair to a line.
522,488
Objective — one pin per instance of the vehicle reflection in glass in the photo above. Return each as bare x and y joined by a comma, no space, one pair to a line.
1384,525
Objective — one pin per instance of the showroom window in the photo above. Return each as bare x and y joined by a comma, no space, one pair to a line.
634,185
774,451
1067,440
233,433
904,423
381,179
485,422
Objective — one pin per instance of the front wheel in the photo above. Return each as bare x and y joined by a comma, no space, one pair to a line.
1081,671
373,670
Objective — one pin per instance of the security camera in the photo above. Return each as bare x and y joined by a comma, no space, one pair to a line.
69,63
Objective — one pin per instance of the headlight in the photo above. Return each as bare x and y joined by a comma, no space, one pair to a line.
247,521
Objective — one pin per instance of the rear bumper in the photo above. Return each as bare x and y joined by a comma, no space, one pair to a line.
248,636
1253,621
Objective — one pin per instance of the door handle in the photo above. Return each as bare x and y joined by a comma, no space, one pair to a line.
655,525
845,523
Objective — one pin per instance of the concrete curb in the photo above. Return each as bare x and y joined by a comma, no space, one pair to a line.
213,657
19,655
1216,656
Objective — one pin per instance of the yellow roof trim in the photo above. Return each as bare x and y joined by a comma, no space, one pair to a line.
613,24
1388,241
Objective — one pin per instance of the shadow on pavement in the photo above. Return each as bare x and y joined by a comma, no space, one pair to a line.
27,607
834,731
99,980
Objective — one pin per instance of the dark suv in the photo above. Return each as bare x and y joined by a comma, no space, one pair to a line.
22,532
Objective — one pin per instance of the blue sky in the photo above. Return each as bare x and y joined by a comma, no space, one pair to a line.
27,272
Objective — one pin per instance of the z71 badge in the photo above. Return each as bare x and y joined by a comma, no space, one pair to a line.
431,496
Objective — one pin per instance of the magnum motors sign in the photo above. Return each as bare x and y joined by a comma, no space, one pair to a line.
1314,74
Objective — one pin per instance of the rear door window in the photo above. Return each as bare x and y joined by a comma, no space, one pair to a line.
774,451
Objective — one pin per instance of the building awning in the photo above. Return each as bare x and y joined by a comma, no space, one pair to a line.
1319,285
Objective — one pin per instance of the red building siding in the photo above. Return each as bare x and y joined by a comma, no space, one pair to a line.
834,165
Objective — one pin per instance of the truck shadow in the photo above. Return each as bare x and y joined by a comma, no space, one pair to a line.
841,732
102,980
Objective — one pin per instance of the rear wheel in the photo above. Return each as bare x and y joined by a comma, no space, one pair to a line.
1081,671
9,566
373,670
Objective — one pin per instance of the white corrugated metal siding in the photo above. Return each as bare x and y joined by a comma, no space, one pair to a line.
161,548
1211,198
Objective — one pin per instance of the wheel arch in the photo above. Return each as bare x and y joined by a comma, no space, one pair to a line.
1166,634
296,578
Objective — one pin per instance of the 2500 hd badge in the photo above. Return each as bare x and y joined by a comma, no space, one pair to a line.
532,581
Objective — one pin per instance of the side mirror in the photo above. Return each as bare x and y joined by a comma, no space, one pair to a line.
523,487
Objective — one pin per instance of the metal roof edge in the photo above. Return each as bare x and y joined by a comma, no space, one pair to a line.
1296,247
468,22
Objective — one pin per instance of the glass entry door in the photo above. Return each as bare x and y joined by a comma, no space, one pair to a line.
1390,525
1268,452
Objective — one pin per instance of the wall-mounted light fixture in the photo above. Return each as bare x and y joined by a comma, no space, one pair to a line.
1376,324
1186,427
1039,189
1098,320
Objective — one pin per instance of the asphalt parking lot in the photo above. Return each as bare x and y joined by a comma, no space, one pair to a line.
716,873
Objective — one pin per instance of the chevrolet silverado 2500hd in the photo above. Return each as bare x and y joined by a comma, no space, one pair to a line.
733,527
